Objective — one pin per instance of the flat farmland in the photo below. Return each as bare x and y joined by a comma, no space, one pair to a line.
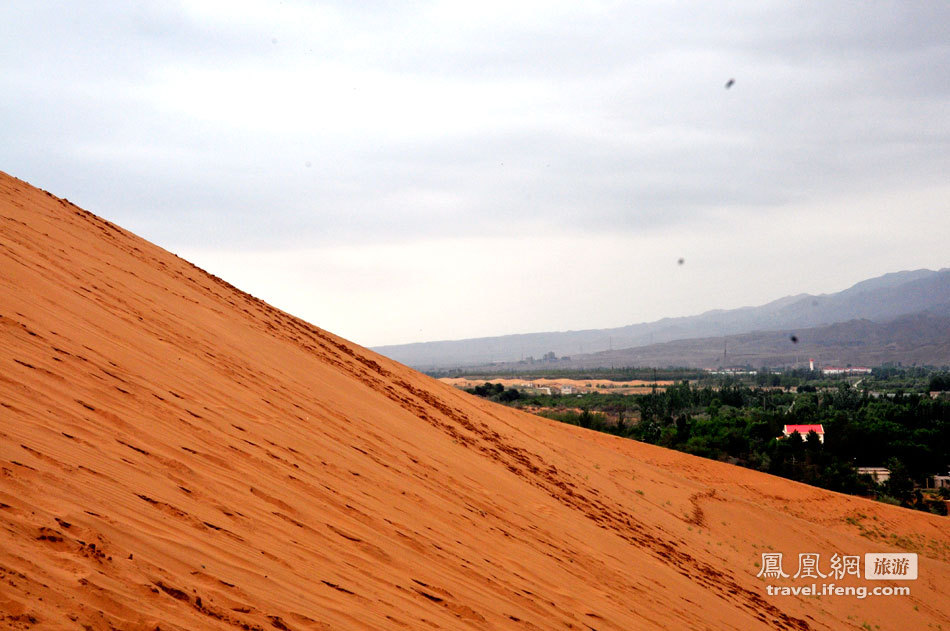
604,386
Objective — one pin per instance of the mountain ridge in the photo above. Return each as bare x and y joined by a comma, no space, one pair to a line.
921,339
879,299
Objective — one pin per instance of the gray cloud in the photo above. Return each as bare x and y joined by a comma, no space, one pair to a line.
254,125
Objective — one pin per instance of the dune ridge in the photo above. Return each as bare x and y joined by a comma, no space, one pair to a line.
177,454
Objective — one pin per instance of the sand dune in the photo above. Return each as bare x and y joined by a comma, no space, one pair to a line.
176,454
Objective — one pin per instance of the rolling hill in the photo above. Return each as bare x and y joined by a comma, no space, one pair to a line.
178,455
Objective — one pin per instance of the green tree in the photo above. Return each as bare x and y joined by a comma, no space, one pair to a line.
900,486
939,382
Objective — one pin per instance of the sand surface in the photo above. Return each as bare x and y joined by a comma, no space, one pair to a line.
175,454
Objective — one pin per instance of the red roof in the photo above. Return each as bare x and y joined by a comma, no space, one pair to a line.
804,429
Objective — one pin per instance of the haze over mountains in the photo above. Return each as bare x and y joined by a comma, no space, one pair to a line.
877,301
920,339
178,455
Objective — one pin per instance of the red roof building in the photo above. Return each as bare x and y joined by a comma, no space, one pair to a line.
803,431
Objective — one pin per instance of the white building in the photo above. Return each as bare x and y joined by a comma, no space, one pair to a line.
878,474
852,370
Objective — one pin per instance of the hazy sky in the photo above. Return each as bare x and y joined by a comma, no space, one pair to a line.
412,171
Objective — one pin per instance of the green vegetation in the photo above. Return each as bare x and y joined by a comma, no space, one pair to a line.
740,422
883,378
940,382
495,392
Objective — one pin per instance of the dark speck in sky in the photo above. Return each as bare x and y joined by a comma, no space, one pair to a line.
794,339
730,83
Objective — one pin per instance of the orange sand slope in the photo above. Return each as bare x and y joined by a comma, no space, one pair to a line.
176,454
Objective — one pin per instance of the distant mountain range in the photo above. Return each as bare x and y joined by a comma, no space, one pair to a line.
919,339
902,316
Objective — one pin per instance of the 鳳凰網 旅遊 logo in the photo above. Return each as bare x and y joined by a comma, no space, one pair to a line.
878,566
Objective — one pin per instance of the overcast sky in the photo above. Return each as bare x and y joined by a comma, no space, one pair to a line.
410,171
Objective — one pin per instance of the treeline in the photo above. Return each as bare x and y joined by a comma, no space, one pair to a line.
890,378
907,433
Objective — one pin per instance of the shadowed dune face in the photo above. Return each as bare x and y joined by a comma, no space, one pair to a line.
176,454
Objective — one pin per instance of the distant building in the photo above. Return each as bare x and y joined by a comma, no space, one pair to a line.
567,390
731,371
940,482
880,475
803,430
851,370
